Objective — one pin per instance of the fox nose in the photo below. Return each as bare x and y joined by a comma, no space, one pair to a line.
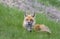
28,22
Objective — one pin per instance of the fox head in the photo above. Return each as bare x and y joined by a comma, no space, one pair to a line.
29,21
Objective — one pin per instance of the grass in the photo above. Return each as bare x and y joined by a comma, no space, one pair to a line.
51,2
11,20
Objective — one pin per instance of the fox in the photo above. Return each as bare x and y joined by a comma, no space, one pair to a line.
41,27
29,21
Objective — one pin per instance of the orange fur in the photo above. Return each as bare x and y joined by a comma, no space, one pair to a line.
28,19
41,27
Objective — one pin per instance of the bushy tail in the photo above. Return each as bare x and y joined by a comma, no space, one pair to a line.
46,29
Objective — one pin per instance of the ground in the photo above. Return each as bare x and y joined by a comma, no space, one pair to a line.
11,20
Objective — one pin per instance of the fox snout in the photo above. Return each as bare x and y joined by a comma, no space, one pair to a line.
29,23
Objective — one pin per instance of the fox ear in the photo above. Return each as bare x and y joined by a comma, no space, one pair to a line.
33,14
25,14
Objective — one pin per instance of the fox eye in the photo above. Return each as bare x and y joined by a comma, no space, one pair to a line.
31,20
26,19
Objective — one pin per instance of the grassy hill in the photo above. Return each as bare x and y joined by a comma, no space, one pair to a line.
11,20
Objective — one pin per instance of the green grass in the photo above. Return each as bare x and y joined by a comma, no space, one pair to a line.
11,20
51,2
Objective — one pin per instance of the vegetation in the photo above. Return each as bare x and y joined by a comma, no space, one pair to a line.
11,20
51,2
